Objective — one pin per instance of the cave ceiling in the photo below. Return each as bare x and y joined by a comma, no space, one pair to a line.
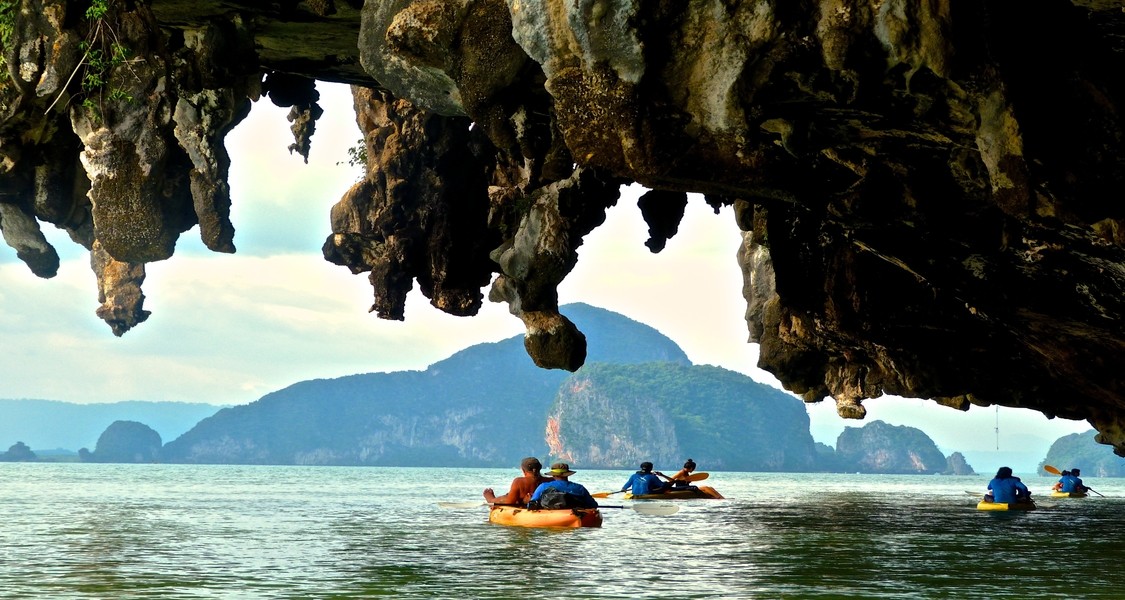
931,193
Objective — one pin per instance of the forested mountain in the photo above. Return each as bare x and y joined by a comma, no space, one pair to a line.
637,398
619,415
125,442
1079,450
483,406
879,447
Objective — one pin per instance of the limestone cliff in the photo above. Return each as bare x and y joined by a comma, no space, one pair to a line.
616,416
878,447
930,191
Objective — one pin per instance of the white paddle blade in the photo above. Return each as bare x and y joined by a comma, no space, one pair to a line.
460,504
649,508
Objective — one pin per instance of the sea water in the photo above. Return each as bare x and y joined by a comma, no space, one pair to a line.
185,531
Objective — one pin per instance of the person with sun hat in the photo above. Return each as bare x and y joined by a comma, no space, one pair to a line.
561,492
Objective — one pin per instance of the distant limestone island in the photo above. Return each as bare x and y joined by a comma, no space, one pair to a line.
1082,450
638,398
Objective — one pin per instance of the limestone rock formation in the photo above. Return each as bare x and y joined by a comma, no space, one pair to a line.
125,442
18,452
930,191
878,447
957,465
616,416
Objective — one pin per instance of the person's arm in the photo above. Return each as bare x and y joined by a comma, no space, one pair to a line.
629,484
681,474
512,497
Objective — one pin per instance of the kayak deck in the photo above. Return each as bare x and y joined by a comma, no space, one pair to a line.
1058,494
703,491
982,505
518,516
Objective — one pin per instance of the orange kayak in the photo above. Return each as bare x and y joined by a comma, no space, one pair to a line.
703,491
519,516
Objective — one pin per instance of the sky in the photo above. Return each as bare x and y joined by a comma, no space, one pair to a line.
228,328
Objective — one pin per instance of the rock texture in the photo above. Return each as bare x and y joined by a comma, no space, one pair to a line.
617,416
930,191
957,465
878,447
125,442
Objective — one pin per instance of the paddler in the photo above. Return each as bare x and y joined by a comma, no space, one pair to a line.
522,487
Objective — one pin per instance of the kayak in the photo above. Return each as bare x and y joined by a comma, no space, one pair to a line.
519,516
1068,494
982,505
703,491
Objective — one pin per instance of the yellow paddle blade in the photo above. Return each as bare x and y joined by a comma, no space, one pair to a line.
698,476
1050,469
605,494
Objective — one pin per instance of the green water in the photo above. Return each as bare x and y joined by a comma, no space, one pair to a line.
177,531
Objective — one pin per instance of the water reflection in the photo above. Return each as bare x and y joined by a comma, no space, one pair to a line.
148,531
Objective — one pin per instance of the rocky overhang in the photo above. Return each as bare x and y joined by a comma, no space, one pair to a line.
930,192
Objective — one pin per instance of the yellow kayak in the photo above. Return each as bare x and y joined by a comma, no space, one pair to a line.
982,505
702,491
1068,494
518,516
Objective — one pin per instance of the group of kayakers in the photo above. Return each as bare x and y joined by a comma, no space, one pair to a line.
536,490
647,481
1007,488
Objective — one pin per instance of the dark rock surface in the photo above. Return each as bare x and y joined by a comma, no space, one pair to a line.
125,442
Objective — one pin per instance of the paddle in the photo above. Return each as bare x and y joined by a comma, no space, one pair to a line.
690,477
1054,471
645,508
606,494
650,508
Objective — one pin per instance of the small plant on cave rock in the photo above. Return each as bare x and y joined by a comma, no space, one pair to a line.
102,53
7,28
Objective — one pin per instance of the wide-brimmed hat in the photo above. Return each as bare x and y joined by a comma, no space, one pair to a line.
560,470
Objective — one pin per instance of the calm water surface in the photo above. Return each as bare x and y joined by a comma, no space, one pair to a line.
178,531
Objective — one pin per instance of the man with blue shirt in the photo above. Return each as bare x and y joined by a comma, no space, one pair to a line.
644,481
575,495
1071,482
1006,489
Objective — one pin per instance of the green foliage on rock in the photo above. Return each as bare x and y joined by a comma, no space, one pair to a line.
1082,451
620,415
127,442
7,26
879,447
483,406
